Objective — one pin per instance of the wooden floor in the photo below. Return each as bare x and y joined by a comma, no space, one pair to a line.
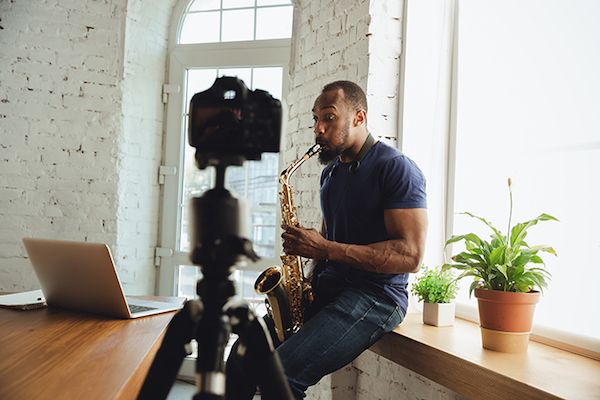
185,391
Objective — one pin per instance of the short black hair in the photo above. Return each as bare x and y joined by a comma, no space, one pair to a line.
353,93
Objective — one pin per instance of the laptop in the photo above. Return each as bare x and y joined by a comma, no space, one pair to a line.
82,277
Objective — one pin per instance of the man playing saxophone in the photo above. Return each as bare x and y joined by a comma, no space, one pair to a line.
373,203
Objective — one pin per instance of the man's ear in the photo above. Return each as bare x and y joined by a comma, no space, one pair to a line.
360,118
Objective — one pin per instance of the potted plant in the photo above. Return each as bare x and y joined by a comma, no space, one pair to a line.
436,288
508,276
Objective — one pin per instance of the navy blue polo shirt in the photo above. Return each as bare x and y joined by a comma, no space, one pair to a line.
353,202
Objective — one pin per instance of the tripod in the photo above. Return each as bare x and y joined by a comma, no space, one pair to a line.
216,246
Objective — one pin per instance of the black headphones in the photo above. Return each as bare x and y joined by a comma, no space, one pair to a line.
369,142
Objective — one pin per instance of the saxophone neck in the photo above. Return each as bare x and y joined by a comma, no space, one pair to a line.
286,173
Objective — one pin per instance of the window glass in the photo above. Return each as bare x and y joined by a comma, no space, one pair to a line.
200,28
203,5
198,80
256,182
274,22
238,25
269,79
244,74
527,108
238,3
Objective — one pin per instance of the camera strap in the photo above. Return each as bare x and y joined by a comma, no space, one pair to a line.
369,142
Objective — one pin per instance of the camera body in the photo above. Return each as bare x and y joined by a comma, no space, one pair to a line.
229,123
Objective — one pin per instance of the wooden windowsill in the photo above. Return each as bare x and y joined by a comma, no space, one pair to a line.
453,357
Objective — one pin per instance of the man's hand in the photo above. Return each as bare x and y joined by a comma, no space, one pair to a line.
402,253
304,242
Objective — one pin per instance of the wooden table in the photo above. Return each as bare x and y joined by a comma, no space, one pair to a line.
56,354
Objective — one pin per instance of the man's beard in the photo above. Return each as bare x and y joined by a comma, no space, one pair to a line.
327,155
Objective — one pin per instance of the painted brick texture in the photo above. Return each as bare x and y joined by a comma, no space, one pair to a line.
330,43
140,144
80,130
360,41
381,379
60,103
355,40
335,41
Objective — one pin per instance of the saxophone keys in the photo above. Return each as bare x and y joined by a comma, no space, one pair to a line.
310,297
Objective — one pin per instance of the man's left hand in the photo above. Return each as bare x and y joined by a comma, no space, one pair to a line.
298,241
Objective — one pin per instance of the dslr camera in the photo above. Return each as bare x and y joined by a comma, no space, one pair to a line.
229,123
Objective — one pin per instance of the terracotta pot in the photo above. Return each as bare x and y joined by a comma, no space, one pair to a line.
505,342
506,311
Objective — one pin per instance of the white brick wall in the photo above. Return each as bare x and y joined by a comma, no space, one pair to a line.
359,41
141,142
81,130
385,45
60,101
330,43
381,379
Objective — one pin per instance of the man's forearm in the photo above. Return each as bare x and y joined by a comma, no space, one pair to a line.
389,257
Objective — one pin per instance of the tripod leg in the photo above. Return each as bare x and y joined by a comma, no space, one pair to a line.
168,359
260,358
212,336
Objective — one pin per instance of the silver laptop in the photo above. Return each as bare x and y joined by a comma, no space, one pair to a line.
82,276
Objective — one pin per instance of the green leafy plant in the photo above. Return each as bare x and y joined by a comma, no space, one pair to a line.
504,263
435,286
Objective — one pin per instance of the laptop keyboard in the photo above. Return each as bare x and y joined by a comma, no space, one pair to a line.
136,309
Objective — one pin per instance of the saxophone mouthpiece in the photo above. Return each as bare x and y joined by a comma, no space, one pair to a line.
313,150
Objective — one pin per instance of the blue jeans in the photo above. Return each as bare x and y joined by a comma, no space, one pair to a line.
334,336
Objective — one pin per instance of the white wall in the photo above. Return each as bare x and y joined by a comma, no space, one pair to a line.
140,145
330,43
80,131
358,41
379,378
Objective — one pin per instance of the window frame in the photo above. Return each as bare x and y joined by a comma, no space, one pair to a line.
181,57
569,341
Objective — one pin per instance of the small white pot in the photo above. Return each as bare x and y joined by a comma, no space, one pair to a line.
438,314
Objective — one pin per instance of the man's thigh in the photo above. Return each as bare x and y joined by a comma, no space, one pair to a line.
337,334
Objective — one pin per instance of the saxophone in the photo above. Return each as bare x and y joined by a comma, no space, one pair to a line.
286,288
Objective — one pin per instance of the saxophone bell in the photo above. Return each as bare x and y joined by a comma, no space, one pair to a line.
270,283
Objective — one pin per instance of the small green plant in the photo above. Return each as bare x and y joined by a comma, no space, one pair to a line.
435,286
504,263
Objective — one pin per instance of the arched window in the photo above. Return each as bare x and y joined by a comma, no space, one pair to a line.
249,39
210,21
